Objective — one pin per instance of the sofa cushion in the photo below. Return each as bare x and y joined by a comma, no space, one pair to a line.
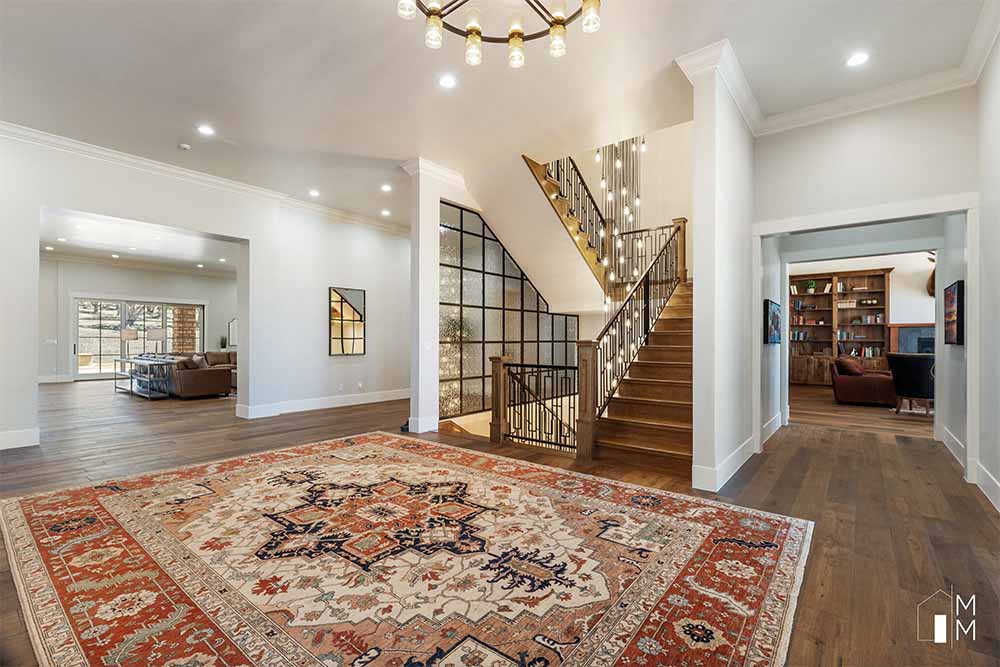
200,361
186,364
215,358
849,366
232,358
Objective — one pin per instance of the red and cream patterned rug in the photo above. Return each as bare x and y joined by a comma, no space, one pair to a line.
388,551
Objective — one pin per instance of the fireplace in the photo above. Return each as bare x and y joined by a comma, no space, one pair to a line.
912,338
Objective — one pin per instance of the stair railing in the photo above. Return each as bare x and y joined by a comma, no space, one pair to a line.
582,205
534,404
605,361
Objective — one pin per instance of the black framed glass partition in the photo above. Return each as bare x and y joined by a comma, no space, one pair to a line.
488,307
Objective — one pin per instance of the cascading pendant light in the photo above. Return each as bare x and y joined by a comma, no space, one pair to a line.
552,12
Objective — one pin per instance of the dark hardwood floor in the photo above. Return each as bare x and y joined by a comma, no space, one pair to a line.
894,519
814,405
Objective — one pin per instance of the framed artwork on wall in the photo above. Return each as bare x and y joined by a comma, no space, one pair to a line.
347,321
954,313
232,340
772,322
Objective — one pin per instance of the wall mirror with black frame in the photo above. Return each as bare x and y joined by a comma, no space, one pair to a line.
347,321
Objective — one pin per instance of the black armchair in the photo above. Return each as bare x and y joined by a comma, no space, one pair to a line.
913,378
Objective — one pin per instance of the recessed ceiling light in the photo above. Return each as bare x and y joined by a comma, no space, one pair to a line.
386,187
201,266
206,130
222,259
184,147
131,249
447,81
156,237
49,248
314,193
61,239
386,213
114,256
857,59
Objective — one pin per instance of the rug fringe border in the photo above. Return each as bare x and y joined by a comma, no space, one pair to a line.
30,623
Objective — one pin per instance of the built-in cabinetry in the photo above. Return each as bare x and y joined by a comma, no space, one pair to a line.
837,313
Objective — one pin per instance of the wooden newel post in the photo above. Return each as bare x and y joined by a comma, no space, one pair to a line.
682,269
498,422
586,420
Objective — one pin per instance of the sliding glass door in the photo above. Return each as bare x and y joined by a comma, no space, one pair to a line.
107,330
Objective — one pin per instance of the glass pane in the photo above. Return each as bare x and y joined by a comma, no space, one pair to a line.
451,216
531,353
558,327
572,324
487,394
512,325
494,325
472,324
449,284
449,246
510,266
472,360
545,326
472,396
545,353
449,361
530,297
530,326
494,290
494,257
571,354
492,350
472,288
559,354
513,350
449,400
448,324
512,293
473,223
472,252
543,305
489,232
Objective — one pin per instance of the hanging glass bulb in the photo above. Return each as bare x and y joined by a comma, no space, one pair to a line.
515,44
642,148
591,16
638,201
611,277
597,155
604,183
602,232
605,260
624,191
557,40
474,39
434,32
611,196
633,145
626,210
406,9
618,163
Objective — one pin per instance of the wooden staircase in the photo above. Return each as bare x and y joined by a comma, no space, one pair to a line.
650,415
573,225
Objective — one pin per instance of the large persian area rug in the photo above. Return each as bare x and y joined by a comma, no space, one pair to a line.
388,551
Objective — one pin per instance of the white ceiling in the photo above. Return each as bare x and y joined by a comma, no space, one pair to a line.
98,237
334,95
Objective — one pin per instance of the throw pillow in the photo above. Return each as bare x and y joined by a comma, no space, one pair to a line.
847,365
200,361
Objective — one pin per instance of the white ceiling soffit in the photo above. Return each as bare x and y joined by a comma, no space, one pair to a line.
722,56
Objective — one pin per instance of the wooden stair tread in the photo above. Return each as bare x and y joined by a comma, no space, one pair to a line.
631,447
683,383
648,401
662,363
657,346
664,425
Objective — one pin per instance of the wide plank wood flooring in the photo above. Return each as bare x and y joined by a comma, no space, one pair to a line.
894,519
815,405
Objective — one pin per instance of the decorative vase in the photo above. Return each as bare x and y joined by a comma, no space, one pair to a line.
811,290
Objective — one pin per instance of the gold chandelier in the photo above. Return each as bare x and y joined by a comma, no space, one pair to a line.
556,18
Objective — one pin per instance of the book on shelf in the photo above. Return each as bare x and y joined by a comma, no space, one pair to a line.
826,290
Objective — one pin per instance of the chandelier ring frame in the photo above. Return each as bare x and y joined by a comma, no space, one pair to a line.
455,4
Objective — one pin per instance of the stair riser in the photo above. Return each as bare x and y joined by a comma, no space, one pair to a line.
666,392
679,460
662,412
683,310
681,299
661,354
654,372
670,338
644,436
673,324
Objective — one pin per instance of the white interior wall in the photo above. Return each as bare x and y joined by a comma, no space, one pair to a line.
950,360
988,474
915,150
61,278
284,273
772,287
909,301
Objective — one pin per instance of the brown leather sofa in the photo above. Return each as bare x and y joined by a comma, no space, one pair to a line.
852,383
203,375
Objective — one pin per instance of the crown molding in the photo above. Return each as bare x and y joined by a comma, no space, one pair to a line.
337,215
984,36
721,58
137,265
425,167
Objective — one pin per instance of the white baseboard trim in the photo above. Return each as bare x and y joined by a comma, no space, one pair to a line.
954,445
47,379
321,403
989,484
25,437
423,424
770,428
713,479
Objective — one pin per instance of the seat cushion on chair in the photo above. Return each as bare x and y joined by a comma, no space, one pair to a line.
847,365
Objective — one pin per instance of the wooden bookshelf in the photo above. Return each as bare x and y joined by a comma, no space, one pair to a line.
847,308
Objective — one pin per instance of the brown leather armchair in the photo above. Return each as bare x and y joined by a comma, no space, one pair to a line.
187,380
868,387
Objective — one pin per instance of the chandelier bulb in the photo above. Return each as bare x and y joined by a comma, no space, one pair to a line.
591,16
604,183
618,163
473,49
406,9
515,51
611,196
637,201
624,191
557,40
633,145
434,32
642,148
597,155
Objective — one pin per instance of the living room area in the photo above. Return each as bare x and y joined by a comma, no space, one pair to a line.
136,311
